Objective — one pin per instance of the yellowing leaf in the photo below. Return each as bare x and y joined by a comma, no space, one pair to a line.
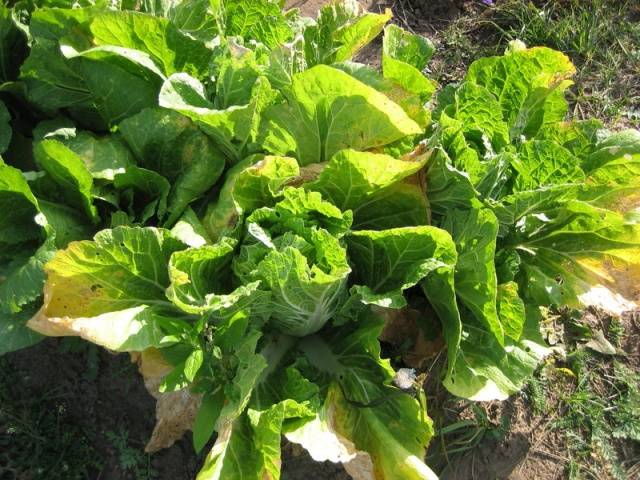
175,411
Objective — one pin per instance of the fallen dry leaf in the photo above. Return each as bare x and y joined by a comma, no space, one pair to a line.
402,324
175,411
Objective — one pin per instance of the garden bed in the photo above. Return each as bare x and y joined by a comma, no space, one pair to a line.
69,409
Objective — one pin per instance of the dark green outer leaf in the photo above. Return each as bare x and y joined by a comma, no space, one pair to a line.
69,173
475,232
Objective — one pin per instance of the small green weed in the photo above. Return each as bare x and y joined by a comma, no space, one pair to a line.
472,428
583,408
77,345
131,459
534,393
600,412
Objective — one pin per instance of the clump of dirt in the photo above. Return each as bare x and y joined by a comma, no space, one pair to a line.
432,12
630,342
298,465
524,451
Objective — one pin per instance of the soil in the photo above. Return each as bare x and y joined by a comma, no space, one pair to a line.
528,447
104,395
631,339
525,451
523,454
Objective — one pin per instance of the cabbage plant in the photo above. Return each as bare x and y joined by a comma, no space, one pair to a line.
222,191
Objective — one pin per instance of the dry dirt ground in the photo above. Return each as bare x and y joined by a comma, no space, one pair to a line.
531,446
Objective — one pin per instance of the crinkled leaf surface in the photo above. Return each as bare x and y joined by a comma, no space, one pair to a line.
351,178
284,396
542,163
262,20
383,192
197,272
327,110
306,271
252,183
200,279
481,117
170,144
475,232
231,127
170,49
529,84
110,290
582,255
387,262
